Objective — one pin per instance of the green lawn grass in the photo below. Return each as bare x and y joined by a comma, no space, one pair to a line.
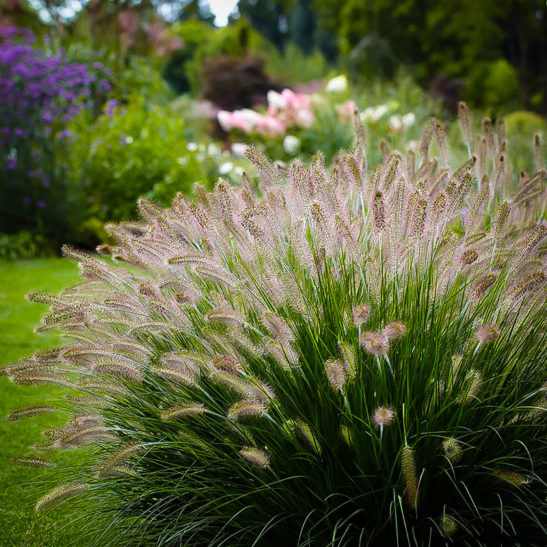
20,486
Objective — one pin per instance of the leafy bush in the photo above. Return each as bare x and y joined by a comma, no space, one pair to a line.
138,75
357,357
293,66
523,128
25,245
39,94
131,150
494,83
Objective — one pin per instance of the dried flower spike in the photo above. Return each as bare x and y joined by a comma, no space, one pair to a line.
360,314
375,343
383,416
394,330
452,449
59,494
336,373
255,456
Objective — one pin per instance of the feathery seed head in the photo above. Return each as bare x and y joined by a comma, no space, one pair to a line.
255,456
452,449
34,410
59,494
336,373
383,416
469,256
378,211
482,284
408,464
448,526
394,330
473,386
360,314
511,477
32,461
226,363
243,409
182,411
375,343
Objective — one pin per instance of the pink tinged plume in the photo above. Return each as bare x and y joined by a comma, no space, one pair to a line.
383,416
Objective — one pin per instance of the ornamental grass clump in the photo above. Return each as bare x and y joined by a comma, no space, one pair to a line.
322,364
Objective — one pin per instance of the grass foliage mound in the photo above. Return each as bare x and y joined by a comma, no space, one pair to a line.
356,357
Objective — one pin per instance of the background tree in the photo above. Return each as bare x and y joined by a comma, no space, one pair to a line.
480,42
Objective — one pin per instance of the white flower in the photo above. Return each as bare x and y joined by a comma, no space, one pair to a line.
395,123
250,118
339,84
276,100
238,148
129,139
239,171
191,147
408,119
379,111
373,114
291,145
213,149
367,114
304,117
413,145
225,168
225,119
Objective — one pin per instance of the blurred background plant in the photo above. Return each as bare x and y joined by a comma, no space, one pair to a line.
169,59
39,95
130,150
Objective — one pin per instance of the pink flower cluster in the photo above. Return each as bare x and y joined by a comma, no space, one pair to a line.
293,109
285,109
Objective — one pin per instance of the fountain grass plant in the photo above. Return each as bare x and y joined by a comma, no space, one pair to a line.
354,357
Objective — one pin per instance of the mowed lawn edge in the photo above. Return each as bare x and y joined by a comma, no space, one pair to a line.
20,486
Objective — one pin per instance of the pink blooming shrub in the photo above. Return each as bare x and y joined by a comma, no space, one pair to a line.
293,109
285,110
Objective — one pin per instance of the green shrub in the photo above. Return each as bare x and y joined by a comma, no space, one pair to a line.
493,83
293,66
522,126
129,151
357,357
23,245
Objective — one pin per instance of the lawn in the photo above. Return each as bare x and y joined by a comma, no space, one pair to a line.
19,486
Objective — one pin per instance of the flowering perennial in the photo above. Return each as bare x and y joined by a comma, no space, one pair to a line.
39,94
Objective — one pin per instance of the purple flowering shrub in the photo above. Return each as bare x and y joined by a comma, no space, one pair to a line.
39,95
